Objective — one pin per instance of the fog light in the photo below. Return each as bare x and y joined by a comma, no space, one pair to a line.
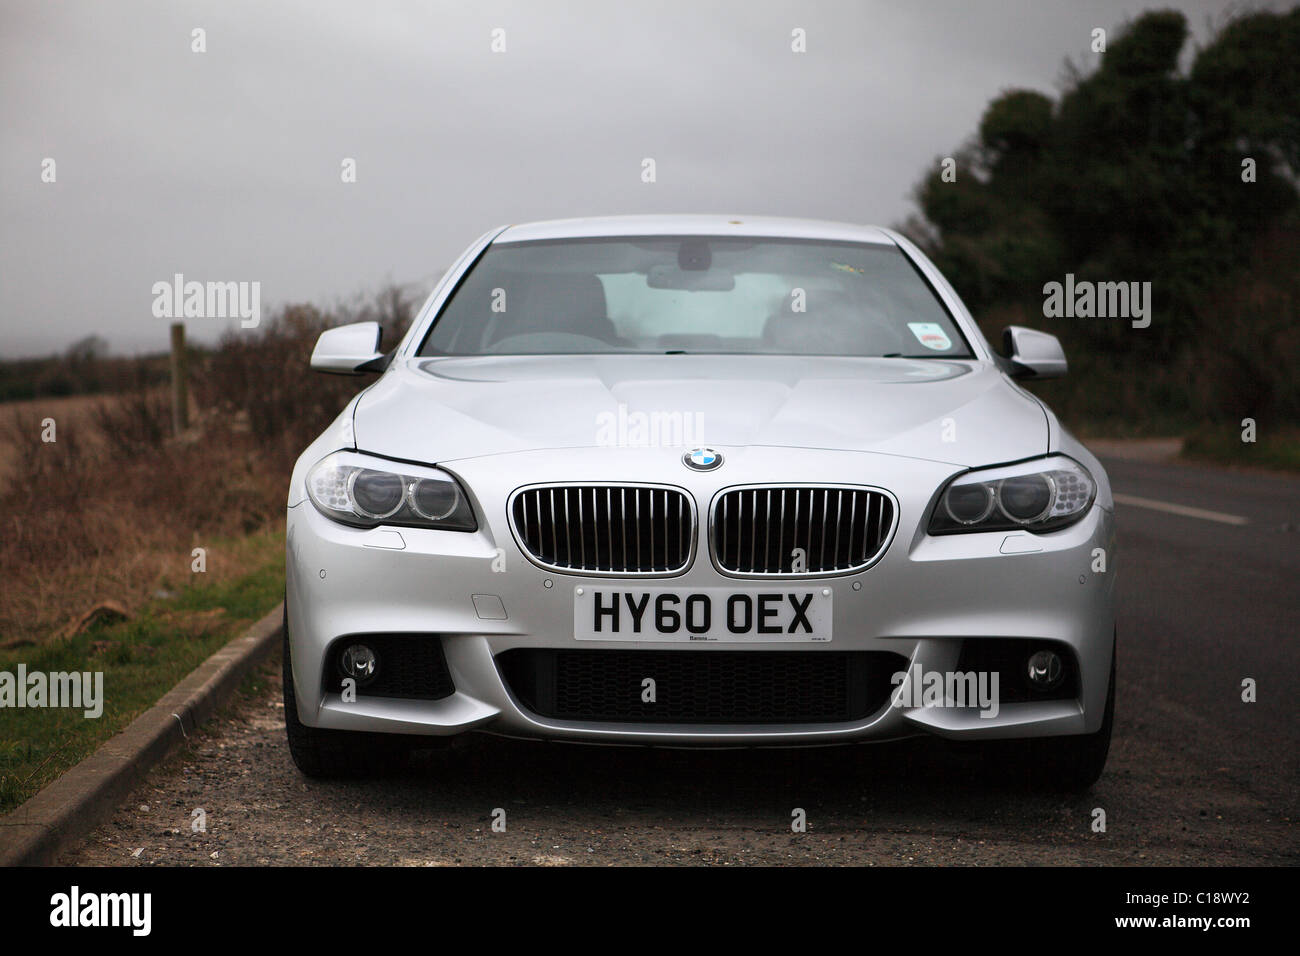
1045,670
359,663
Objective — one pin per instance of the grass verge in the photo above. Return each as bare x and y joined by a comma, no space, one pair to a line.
141,660
1278,450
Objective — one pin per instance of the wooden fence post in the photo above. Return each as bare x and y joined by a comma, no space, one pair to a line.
180,387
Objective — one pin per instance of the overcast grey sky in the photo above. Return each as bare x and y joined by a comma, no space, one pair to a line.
225,165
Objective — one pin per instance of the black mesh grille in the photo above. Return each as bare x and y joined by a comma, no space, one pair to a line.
760,530
408,665
705,687
615,529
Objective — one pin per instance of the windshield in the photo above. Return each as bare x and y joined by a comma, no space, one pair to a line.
695,294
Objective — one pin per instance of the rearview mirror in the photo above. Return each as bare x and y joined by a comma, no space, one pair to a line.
1033,354
706,280
349,350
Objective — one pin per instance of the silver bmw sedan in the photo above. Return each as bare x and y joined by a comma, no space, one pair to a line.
698,481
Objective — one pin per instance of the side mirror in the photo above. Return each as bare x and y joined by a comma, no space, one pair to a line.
1033,354
349,350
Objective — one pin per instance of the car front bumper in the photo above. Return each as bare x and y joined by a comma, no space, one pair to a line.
923,599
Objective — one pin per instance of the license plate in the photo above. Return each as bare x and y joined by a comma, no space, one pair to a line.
760,616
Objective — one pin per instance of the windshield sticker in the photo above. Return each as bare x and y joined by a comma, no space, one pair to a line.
845,267
931,335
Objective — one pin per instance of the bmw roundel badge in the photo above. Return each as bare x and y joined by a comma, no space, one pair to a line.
702,459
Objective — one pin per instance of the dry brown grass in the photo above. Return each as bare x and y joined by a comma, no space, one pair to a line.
112,509
22,424
103,514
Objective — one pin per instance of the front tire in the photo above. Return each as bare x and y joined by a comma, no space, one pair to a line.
334,753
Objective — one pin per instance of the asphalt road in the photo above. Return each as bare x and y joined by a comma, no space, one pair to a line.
1196,776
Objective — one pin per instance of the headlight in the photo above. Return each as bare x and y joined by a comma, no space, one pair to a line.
1040,495
363,491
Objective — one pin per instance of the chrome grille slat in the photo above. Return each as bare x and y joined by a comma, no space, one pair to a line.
853,520
525,518
555,547
839,525
847,537
767,522
651,530
753,527
794,538
821,543
780,541
665,527
683,530
582,528
873,523
605,528
724,521
568,546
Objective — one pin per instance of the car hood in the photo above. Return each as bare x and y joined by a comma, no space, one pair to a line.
444,409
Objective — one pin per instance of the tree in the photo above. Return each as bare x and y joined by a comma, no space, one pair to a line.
1135,174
